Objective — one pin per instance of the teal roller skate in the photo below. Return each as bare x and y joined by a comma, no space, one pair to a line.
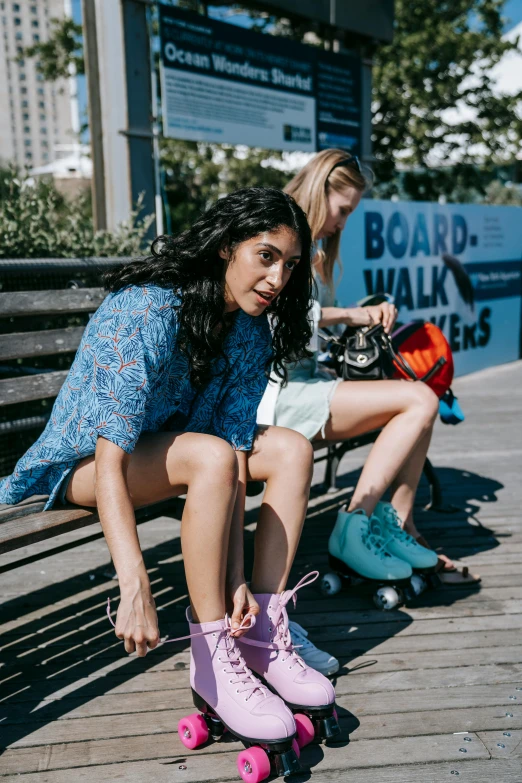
358,552
424,562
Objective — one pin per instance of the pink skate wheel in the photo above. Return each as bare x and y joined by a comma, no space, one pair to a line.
305,729
253,765
193,731
296,748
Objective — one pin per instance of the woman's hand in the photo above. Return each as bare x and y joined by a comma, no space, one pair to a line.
385,314
137,620
243,603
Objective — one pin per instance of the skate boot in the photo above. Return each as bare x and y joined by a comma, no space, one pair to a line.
400,543
357,544
358,551
229,696
424,562
269,652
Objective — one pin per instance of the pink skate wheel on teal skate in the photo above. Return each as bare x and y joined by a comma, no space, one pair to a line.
193,731
305,729
296,748
253,765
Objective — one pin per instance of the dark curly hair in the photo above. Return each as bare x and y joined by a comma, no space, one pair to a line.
190,262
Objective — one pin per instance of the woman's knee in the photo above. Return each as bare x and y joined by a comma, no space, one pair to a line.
291,450
212,458
423,398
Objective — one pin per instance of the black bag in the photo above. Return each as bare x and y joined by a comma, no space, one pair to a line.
365,354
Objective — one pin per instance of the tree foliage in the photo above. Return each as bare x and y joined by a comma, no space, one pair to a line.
63,48
196,174
37,221
441,58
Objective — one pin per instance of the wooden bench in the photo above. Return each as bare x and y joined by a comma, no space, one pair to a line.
39,355
27,346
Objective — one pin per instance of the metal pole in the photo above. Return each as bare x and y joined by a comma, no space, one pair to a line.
99,204
158,200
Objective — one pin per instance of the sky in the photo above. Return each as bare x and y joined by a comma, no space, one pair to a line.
513,10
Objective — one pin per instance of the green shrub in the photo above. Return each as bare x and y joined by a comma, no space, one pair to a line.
37,221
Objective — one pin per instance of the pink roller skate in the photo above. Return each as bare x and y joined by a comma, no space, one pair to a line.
229,696
268,651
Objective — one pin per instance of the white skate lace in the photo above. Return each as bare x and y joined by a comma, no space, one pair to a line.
394,526
245,680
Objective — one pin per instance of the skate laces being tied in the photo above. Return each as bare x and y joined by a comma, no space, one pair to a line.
245,680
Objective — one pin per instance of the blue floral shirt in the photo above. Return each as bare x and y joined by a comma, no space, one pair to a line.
129,377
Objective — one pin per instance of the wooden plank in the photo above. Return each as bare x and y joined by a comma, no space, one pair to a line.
166,769
77,650
502,744
384,646
23,345
69,300
42,619
222,756
127,676
369,727
70,706
31,387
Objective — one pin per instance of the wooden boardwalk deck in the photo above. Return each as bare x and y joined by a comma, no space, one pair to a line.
74,707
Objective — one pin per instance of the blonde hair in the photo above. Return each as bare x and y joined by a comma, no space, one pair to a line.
310,188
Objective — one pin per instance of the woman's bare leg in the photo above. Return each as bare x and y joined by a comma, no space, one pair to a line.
404,487
406,412
284,459
164,465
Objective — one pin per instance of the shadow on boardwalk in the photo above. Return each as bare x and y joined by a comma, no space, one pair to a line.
69,656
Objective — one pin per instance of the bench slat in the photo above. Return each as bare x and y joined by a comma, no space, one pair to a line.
22,345
70,300
22,531
31,387
37,527
25,508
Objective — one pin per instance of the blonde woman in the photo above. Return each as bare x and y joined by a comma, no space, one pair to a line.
329,189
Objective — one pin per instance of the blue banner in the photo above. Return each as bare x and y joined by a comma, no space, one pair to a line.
457,265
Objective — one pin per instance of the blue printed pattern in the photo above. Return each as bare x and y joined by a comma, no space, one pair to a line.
129,377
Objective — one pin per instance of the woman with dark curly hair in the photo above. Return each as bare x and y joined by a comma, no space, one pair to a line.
161,400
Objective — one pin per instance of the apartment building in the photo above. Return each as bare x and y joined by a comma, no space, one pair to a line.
36,117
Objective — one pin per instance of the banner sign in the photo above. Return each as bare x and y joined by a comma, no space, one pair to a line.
457,265
223,83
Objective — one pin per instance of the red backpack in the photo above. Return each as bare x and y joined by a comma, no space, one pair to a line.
425,354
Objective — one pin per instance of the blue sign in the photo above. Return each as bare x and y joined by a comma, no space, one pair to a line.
223,83
457,265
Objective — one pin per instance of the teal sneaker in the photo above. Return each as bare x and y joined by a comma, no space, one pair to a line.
400,543
357,542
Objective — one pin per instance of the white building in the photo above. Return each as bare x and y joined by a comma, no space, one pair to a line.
36,117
